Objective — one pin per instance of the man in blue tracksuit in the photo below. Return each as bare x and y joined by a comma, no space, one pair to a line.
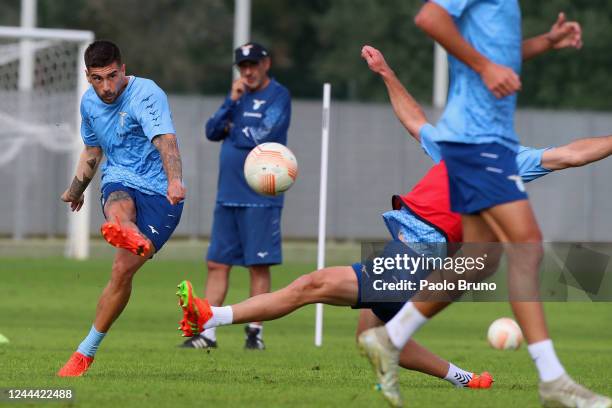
246,225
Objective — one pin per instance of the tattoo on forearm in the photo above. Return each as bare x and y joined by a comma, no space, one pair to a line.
92,163
171,158
86,169
78,186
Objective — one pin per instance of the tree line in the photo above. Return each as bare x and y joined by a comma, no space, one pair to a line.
185,45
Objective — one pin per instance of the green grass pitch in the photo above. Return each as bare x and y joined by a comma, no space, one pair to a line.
47,306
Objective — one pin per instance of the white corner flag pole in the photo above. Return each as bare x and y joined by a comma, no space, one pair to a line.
322,206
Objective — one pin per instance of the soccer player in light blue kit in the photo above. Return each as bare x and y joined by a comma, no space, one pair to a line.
479,146
128,120
246,227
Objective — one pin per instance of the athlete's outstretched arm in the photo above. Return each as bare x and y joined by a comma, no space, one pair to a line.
563,34
407,110
577,153
90,159
439,25
171,158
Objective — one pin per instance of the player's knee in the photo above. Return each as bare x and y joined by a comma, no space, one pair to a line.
531,235
526,257
122,274
217,269
260,271
214,265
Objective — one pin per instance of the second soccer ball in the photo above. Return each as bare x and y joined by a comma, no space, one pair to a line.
270,169
505,334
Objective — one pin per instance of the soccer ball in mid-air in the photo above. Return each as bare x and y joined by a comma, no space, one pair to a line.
270,169
505,334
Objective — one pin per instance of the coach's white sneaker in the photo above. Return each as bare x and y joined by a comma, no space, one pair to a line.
564,392
384,357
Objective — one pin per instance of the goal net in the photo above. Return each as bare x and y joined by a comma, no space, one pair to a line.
41,81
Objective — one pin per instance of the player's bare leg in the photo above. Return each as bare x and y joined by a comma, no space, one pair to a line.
383,345
418,358
217,281
116,294
335,286
120,229
515,225
120,207
260,279
260,283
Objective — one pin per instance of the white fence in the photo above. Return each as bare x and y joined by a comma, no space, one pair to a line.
371,158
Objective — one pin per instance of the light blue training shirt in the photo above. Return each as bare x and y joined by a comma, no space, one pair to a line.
473,114
124,130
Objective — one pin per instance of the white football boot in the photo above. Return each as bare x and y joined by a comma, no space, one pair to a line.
564,392
384,357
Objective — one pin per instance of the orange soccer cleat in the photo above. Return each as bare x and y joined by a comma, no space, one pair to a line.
125,238
196,311
482,381
76,366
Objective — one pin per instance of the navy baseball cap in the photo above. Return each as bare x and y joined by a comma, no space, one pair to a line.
250,52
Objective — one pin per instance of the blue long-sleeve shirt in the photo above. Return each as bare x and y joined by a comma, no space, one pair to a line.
255,118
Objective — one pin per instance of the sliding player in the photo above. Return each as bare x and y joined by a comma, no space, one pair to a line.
127,119
420,214
479,146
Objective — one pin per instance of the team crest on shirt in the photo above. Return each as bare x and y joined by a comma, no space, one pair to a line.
122,118
257,103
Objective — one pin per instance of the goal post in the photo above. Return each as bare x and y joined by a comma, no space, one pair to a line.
42,78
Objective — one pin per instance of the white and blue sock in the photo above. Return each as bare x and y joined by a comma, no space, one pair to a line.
90,345
457,376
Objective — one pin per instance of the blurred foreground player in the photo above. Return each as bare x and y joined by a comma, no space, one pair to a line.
479,147
246,228
127,119
421,216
